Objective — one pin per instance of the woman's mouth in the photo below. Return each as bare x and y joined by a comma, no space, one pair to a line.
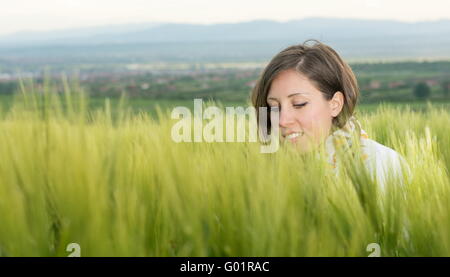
293,136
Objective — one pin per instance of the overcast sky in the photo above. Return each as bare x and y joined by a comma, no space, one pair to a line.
20,15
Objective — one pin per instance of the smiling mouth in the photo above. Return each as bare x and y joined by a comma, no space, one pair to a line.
294,135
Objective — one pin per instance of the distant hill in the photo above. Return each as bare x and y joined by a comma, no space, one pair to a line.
70,36
247,41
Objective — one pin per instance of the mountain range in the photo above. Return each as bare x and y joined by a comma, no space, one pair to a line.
253,40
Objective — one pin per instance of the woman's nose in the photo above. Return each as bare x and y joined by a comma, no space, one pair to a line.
286,118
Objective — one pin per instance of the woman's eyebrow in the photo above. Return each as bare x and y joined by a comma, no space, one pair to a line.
290,95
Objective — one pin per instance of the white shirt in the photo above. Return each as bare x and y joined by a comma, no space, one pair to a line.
381,162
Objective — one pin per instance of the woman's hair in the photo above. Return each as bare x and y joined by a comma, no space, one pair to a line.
323,67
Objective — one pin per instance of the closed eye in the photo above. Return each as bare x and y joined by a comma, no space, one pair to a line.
300,105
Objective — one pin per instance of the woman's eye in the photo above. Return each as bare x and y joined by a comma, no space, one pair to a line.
300,105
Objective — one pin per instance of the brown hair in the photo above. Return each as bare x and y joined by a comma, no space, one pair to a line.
321,65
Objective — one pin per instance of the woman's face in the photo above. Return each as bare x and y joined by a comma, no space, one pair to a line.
305,115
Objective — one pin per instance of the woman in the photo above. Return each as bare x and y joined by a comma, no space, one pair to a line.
315,93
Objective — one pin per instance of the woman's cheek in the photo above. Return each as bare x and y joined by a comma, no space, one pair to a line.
309,121
316,125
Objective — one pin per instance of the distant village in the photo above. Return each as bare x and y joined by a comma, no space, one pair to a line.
219,81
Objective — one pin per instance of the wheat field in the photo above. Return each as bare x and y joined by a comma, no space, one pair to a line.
115,183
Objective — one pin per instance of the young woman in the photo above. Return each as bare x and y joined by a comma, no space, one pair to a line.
315,93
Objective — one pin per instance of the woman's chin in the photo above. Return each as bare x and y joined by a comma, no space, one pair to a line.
301,144
296,144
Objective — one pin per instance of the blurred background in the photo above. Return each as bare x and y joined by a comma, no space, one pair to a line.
168,52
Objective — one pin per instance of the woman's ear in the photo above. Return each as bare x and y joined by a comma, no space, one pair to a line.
336,103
